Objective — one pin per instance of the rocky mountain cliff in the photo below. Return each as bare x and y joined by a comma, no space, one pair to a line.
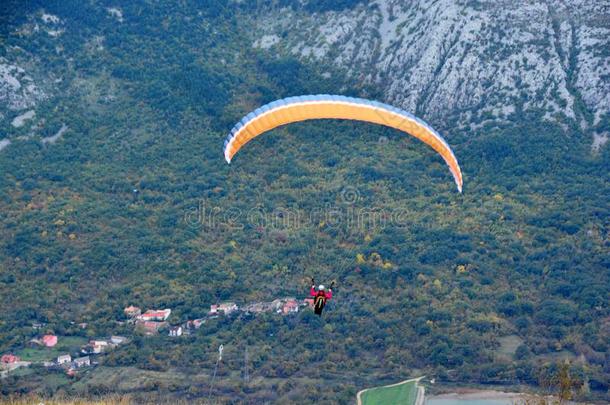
473,60
456,63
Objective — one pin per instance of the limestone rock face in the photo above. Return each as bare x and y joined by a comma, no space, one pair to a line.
18,90
468,59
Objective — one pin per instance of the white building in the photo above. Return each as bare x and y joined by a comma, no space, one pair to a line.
82,362
228,307
118,340
64,359
98,346
175,331
277,305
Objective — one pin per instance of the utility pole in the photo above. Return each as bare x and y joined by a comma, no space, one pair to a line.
220,348
246,373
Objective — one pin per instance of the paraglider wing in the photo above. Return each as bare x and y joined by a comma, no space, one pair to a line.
294,109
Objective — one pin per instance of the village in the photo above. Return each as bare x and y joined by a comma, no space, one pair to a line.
148,323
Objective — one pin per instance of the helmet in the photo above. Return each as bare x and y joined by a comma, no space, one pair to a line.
321,287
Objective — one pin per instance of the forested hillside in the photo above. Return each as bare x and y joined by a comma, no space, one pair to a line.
492,286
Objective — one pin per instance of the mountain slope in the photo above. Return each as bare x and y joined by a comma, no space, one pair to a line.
142,94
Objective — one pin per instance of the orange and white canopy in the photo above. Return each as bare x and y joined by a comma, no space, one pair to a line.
294,109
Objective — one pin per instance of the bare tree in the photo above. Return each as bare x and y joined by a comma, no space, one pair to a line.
559,384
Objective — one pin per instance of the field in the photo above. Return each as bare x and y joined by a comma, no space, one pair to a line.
401,393
65,345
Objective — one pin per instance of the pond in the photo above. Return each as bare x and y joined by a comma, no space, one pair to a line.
475,397
455,401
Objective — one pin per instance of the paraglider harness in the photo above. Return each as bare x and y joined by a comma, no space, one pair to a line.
320,298
319,302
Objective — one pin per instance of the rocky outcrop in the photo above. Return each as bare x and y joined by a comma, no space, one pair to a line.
473,60
18,90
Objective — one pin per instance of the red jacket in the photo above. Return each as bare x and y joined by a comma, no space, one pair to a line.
328,294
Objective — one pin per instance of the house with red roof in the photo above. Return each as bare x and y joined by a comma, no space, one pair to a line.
194,324
49,340
9,359
132,311
291,306
150,327
155,315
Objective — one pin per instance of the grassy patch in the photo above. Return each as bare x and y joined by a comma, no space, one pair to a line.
509,345
21,372
55,380
130,378
65,345
36,354
402,393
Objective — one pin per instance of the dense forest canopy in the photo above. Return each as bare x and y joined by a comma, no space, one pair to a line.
429,280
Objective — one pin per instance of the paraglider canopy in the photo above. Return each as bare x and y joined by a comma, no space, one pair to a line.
294,109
